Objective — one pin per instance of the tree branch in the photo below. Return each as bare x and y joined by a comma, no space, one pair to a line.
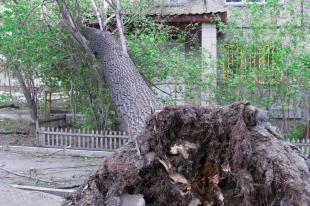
117,10
30,98
153,85
25,176
71,25
108,19
110,4
99,17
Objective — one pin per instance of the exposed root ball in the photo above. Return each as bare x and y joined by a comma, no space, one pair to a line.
203,156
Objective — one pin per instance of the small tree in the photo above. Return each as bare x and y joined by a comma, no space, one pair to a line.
62,63
25,44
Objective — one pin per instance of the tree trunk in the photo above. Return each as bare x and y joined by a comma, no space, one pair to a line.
189,155
208,155
132,98
30,99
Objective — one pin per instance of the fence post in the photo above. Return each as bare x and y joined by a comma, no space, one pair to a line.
38,133
48,136
79,138
97,132
115,140
65,119
70,138
104,142
107,140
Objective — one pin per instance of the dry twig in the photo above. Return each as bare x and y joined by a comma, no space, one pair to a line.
25,176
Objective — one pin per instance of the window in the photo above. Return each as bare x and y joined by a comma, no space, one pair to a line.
174,2
250,61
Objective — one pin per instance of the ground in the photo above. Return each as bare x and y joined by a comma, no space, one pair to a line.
46,171
39,170
10,196
14,114
14,139
12,120
35,169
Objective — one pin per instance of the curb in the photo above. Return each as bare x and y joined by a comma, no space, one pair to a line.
58,192
56,151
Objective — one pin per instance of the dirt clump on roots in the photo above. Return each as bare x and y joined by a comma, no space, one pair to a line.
203,156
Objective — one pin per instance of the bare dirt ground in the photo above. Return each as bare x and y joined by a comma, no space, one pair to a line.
13,139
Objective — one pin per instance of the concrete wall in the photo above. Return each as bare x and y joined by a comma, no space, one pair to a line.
209,53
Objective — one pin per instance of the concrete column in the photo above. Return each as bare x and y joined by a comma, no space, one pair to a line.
209,55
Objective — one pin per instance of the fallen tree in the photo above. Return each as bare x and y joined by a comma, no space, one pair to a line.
184,155
203,156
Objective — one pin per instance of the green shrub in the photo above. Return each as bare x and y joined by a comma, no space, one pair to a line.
4,98
297,133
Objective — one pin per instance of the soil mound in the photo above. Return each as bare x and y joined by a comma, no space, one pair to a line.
203,156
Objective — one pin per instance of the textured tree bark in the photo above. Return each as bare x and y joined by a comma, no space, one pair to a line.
132,98
194,156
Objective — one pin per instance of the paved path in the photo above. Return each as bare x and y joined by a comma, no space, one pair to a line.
46,171
10,196
14,114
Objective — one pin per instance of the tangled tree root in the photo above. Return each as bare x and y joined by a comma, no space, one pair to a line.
203,156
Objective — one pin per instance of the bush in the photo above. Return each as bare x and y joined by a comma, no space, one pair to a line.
297,133
4,98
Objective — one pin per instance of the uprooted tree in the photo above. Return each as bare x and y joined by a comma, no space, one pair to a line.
185,155
203,156
132,98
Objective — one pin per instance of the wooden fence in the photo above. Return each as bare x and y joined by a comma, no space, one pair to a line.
81,139
104,140
302,144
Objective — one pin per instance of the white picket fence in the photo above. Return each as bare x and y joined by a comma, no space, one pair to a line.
303,144
104,140
81,139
